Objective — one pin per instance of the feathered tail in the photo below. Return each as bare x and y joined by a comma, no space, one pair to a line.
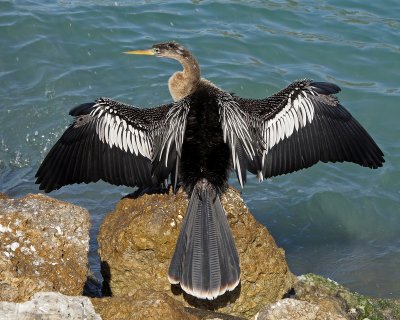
205,261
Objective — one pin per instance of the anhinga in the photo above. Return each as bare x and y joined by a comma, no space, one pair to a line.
197,140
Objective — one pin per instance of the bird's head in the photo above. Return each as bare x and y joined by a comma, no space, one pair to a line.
171,50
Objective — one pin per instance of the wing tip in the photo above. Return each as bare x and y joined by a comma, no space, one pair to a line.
81,109
325,87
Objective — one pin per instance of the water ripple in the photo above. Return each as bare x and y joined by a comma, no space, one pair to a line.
58,54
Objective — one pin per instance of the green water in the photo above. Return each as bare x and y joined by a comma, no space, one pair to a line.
338,220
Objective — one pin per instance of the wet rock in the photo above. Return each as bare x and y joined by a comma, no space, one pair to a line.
49,305
43,247
137,240
295,309
333,297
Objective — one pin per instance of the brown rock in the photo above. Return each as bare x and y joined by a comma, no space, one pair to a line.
137,240
203,314
149,304
143,304
3,196
43,247
295,309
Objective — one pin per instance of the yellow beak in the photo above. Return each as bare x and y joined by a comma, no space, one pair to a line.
148,52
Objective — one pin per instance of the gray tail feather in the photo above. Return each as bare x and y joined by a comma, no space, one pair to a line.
205,261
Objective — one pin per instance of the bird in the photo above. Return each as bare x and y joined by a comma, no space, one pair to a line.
196,141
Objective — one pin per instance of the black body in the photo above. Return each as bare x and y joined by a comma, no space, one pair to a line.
205,261
205,155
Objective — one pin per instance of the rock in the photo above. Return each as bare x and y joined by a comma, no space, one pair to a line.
295,309
332,297
137,240
43,247
143,304
203,314
149,304
49,305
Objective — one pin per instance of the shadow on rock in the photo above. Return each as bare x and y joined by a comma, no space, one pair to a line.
106,273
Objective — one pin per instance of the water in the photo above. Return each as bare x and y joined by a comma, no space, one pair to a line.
338,220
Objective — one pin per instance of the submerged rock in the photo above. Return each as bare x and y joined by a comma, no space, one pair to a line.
49,305
137,240
43,247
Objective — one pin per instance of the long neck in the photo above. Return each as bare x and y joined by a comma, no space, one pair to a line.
183,83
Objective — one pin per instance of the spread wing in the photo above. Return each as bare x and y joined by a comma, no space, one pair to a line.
294,129
116,143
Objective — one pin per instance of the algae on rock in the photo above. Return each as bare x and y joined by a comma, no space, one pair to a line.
333,297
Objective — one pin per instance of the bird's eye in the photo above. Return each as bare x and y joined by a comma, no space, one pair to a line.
157,50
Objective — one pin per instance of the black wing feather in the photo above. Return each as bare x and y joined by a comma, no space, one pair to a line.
83,154
331,134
